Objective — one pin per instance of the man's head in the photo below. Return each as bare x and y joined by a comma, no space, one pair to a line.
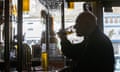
85,23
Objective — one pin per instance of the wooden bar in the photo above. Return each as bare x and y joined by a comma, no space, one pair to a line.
19,37
89,0
7,38
62,15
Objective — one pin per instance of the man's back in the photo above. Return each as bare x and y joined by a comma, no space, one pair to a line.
98,55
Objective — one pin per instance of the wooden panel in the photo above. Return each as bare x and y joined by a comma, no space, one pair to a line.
1,7
91,0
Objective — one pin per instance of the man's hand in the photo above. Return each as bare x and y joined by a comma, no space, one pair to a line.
62,34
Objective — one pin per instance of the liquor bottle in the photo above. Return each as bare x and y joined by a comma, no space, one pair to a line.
49,43
50,55
44,54
68,31
53,42
54,54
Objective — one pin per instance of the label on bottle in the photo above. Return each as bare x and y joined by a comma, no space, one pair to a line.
53,49
43,47
53,45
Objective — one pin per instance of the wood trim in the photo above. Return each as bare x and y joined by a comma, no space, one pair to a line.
90,0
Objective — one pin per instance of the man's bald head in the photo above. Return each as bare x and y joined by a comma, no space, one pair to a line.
87,17
85,23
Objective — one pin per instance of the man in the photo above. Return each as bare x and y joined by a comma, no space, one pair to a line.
95,53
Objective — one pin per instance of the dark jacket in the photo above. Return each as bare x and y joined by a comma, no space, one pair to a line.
94,54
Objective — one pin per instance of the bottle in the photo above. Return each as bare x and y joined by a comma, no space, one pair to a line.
44,54
51,52
68,31
53,48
